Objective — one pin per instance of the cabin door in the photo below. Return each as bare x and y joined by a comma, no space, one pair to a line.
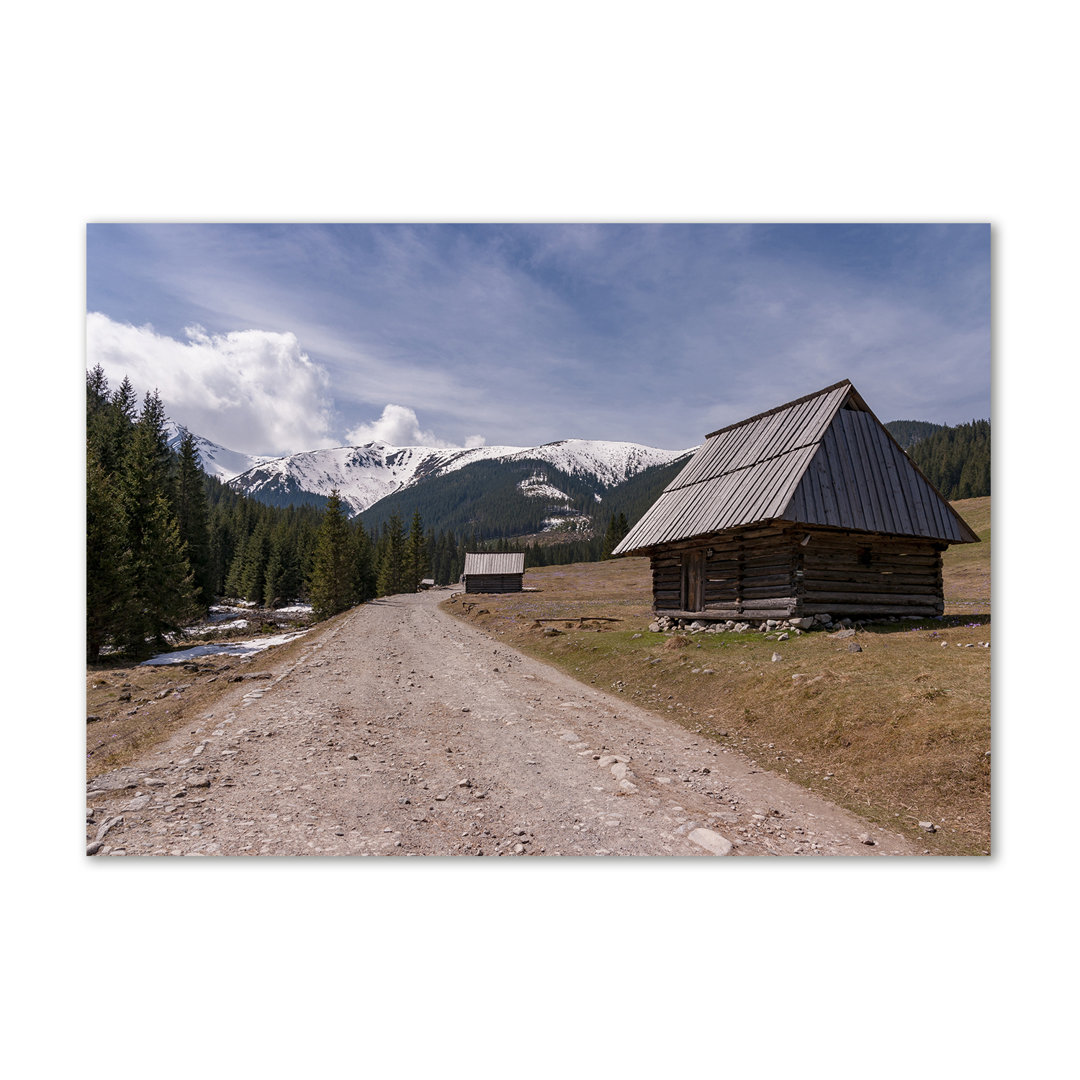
693,581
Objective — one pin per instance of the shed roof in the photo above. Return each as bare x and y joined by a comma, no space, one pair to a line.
824,459
503,562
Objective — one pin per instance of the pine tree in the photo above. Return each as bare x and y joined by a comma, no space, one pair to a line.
105,559
610,539
193,516
282,577
159,586
256,560
364,564
333,578
416,555
391,558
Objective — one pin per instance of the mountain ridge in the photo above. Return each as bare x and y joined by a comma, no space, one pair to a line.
364,475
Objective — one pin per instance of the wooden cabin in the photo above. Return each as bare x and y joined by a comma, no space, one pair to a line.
493,572
810,508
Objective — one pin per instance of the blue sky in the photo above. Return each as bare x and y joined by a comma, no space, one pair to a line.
281,338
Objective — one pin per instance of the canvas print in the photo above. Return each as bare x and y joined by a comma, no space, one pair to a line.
538,539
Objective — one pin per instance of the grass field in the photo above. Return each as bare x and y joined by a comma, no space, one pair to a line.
899,732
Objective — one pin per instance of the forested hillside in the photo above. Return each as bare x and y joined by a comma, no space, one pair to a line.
909,432
956,460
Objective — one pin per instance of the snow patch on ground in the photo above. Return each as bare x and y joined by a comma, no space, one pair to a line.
537,487
566,524
231,648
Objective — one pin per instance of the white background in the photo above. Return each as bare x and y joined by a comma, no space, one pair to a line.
556,112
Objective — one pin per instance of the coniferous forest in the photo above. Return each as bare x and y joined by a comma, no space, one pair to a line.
956,460
164,540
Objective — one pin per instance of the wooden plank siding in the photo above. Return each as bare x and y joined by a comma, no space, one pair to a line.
770,573
493,583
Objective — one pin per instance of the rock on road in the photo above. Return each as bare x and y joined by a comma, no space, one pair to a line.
400,730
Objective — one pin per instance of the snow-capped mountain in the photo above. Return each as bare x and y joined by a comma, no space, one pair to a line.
216,460
365,474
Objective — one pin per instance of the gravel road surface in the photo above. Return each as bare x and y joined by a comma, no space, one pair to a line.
399,730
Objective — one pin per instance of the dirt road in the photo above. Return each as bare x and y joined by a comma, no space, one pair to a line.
402,731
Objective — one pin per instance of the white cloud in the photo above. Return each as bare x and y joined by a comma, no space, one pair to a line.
249,390
399,426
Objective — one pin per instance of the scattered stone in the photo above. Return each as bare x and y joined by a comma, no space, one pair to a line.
928,826
840,635
783,637
94,847
866,838
199,782
551,631
107,826
776,657
711,841
854,647
117,780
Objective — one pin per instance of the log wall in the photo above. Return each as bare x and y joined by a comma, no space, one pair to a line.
493,583
769,572
858,575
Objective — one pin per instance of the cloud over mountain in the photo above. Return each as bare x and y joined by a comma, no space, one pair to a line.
254,390
399,426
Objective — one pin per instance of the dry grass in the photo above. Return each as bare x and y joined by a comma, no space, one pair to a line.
898,732
132,708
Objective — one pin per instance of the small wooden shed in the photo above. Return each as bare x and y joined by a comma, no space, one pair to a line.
493,572
809,508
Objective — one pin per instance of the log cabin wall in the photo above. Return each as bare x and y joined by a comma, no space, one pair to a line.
859,574
769,573
493,583
746,573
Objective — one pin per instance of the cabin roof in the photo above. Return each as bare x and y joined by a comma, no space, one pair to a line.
823,459
504,562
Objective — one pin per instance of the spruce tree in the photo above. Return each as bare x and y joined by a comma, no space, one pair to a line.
416,554
105,559
160,591
391,558
364,563
282,576
333,577
193,516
